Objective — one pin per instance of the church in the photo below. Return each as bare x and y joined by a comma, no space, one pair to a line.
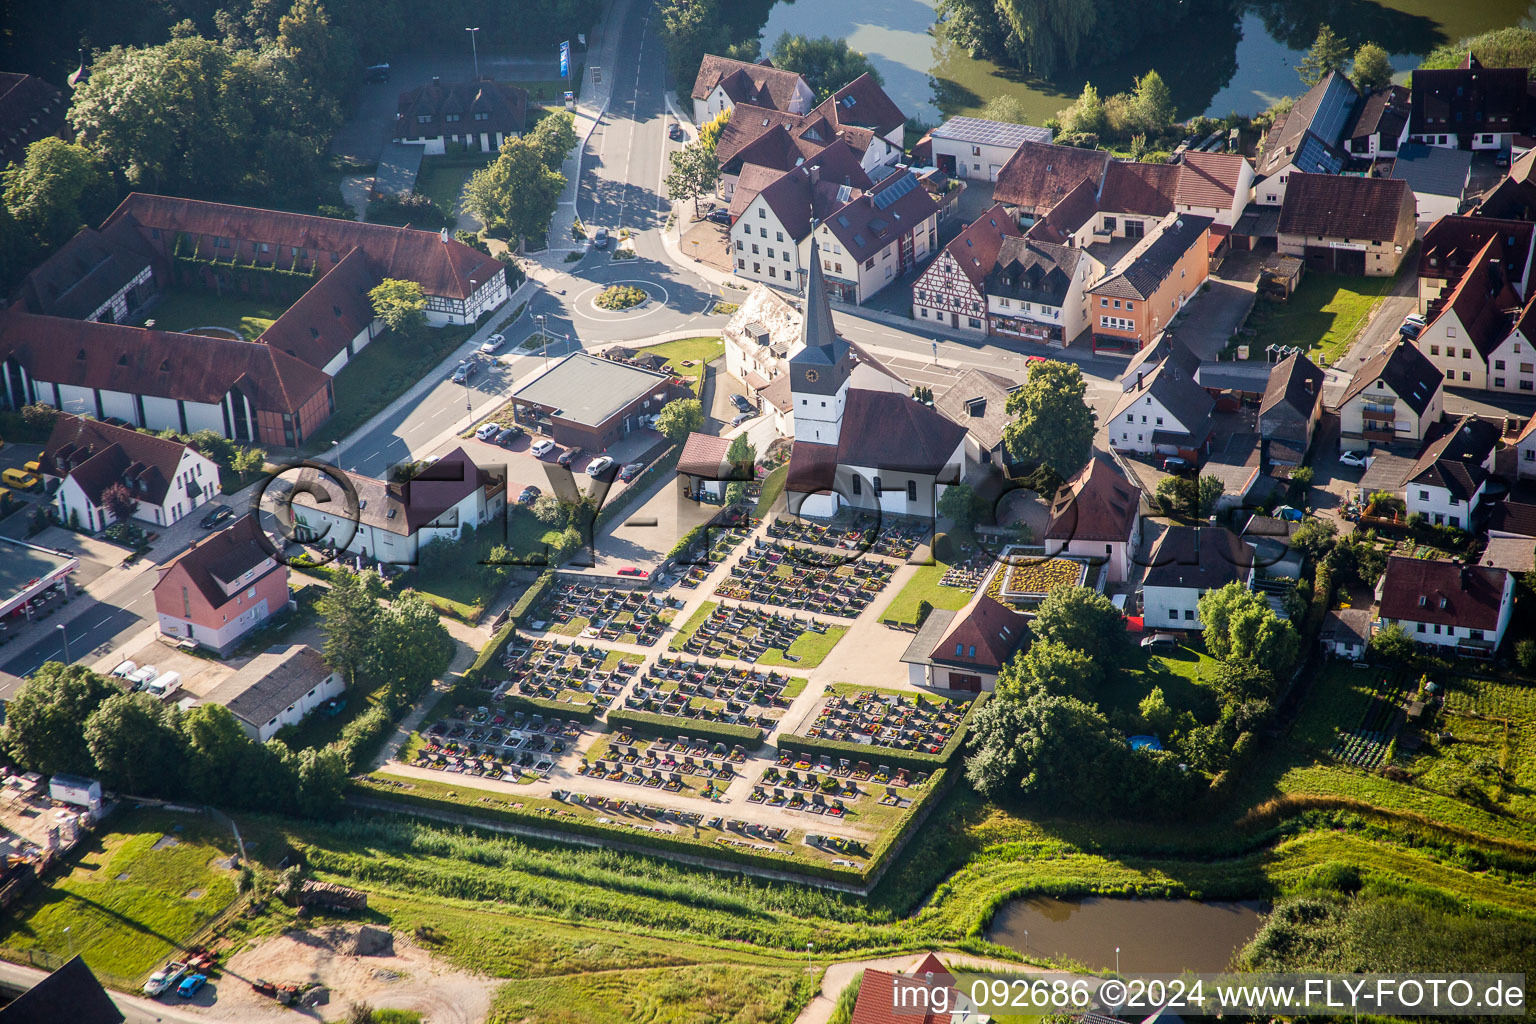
854,446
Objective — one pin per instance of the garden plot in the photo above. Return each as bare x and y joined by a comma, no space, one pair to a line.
595,612
1365,746
750,634
774,574
570,673
1024,578
730,695
884,719
862,532
495,744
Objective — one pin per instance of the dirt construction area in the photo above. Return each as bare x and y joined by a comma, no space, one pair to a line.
394,974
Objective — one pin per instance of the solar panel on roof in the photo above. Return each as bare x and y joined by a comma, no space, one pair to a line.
895,191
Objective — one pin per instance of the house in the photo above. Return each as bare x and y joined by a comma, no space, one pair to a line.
1040,174
1236,459
30,109
1380,124
972,147
65,344
1347,225
870,449
1139,295
391,522
1469,107
168,479
479,116
222,587
886,998
1445,484
722,83
1214,185
71,993
767,237
966,649
1038,291
1394,397
1308,140
1097,515
702,468
951,291
1290,409
584,401
1184,563
1451,245
1162,410
875,235
1525,447
1463,609
1514,197
1437,176
276,689
1478,318
1346,633
978,401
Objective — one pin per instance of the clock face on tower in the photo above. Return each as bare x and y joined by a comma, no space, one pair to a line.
812,376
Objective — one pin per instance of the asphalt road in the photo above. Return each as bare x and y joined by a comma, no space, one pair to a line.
93,629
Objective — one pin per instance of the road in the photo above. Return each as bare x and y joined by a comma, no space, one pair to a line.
94,628
135,1009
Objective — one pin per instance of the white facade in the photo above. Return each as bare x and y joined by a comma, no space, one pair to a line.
1446,344
223,636
355,346
1228,215
710,106
329,687
763,250
875,272
372,541
1072,316
1512,365
1441,635
1118,556
194,472
1482,140
1386,411
1132,430
442,310
973,161
1271,191
1441,508
1176,607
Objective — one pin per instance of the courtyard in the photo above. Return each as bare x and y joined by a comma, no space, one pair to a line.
192,311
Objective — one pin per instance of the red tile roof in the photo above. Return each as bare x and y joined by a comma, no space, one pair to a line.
748,123
1208,179
328,316
1451,243
877,996
811,189
1483,301
882,430
1041,174
704,455
1339,206
1139,188
98,455
218,560
863,104
1433,591
1076,208
984,635
760,84
870,220
812,467
1098,504
975,248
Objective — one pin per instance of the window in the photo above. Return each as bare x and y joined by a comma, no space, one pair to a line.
1528,367
1109,224
755,249
762,232
423,118
1450,374
1450,330
1173,613
869,264
1117,323
911,490
1189,614
773,271
1129,304
454,118
1104,303
1525,385
973,322
1498,364
1466,353
924,313
1498,382
975,151
1117,303
481,115
858,485
1466,375
771,254
757,268
741,264
1423,495
761,212
1434,350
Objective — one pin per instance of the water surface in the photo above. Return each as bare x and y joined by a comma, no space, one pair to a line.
1154,936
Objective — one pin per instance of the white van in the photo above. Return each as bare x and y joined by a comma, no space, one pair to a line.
125,670
142,676
164,686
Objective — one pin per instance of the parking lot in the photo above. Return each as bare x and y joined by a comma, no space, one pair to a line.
569,482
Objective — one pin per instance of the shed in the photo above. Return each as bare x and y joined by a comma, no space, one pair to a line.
75,791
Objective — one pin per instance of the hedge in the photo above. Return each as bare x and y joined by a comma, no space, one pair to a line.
557,708
362,737
671,725
491,651
687,539
910,759
525,604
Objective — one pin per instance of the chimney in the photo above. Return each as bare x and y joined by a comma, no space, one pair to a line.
1138,380
815,172
436,80
1466,577
444,236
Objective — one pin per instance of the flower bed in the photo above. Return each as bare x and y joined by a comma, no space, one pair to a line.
1038,577
621,296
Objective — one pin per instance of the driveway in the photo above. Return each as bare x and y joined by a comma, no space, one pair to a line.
1214,315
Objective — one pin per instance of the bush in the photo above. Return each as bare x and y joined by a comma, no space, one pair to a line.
943,548
621,296
644,722
1525,654
418,211
335,212
924,609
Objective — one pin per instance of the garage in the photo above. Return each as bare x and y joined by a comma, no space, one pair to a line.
992,170
1335,259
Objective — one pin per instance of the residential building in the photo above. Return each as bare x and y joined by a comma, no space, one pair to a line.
1438,178
1164,410
1525,447
1184,563
1214,185
1040,174
1446,483
1462,609
1345,633
1308,140
1393,398
878,997
1347,225
769,237
1451,245
972,147
71,993
1474,321
1513,198
703,471
1038,291
277,688
1140,294
1380,124
1469,107
1290,409
390,522
65,344
222,587
873,236
722,83
978,401
168,479
30,109
584,401
951,291
479,116
966,649
1097,515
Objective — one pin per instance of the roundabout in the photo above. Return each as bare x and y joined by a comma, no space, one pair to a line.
643,297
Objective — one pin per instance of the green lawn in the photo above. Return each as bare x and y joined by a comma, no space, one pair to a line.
1324,316
379,374
186,310
127,906
442,181
772,487
676,995
697,351
1185,676
924,586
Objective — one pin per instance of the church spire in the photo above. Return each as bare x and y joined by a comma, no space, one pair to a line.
816,329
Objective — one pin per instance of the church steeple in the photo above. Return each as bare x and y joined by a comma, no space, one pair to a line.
823,361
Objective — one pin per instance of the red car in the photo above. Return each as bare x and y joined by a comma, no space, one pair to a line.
630,570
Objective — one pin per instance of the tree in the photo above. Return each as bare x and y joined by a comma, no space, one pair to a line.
517,193
961,505
322,778
409,647
691,28
1392,646
136,744
694,174
1087,115
217,753
402,305
322,54
1209,491
826,63
55,189
348,614
1240,626
1152,104
742,455
119,503
247,461
1160,718
1053,748
1082,619
1178,495
1372,69
1052,422
1006,108
553,138
45,720
679,418
1314,537
1329,53
1057,668
709,131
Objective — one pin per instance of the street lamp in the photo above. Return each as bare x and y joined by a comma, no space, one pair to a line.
543,339
1117,959
808,965
337,445
474,48
68,936
64,635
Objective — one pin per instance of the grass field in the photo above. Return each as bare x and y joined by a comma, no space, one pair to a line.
126,904
1325,315
674,995
442,181
186,310
379,374
772,486
1185,676
697,351
924,586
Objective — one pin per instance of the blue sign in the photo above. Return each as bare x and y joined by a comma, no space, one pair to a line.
565,59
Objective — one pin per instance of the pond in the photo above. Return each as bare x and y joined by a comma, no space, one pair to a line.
1154,936
1240,65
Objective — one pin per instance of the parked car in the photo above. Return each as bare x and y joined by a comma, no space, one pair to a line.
599,464
1289,514
1413,325
487,431
742,417
568,456
164,978
493,344
142,677
600,238
125,670
191,985
529,495
509,435
741,403
1176,464
335,706
542,447
631,570
215,516
720,215
466,369
164,685
20,479
631,471
1159,642
675,132
1359,460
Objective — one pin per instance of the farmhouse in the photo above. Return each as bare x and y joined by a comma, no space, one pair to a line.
971,147
1347,225
277,688
222,587
166,478
587,402
478,115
